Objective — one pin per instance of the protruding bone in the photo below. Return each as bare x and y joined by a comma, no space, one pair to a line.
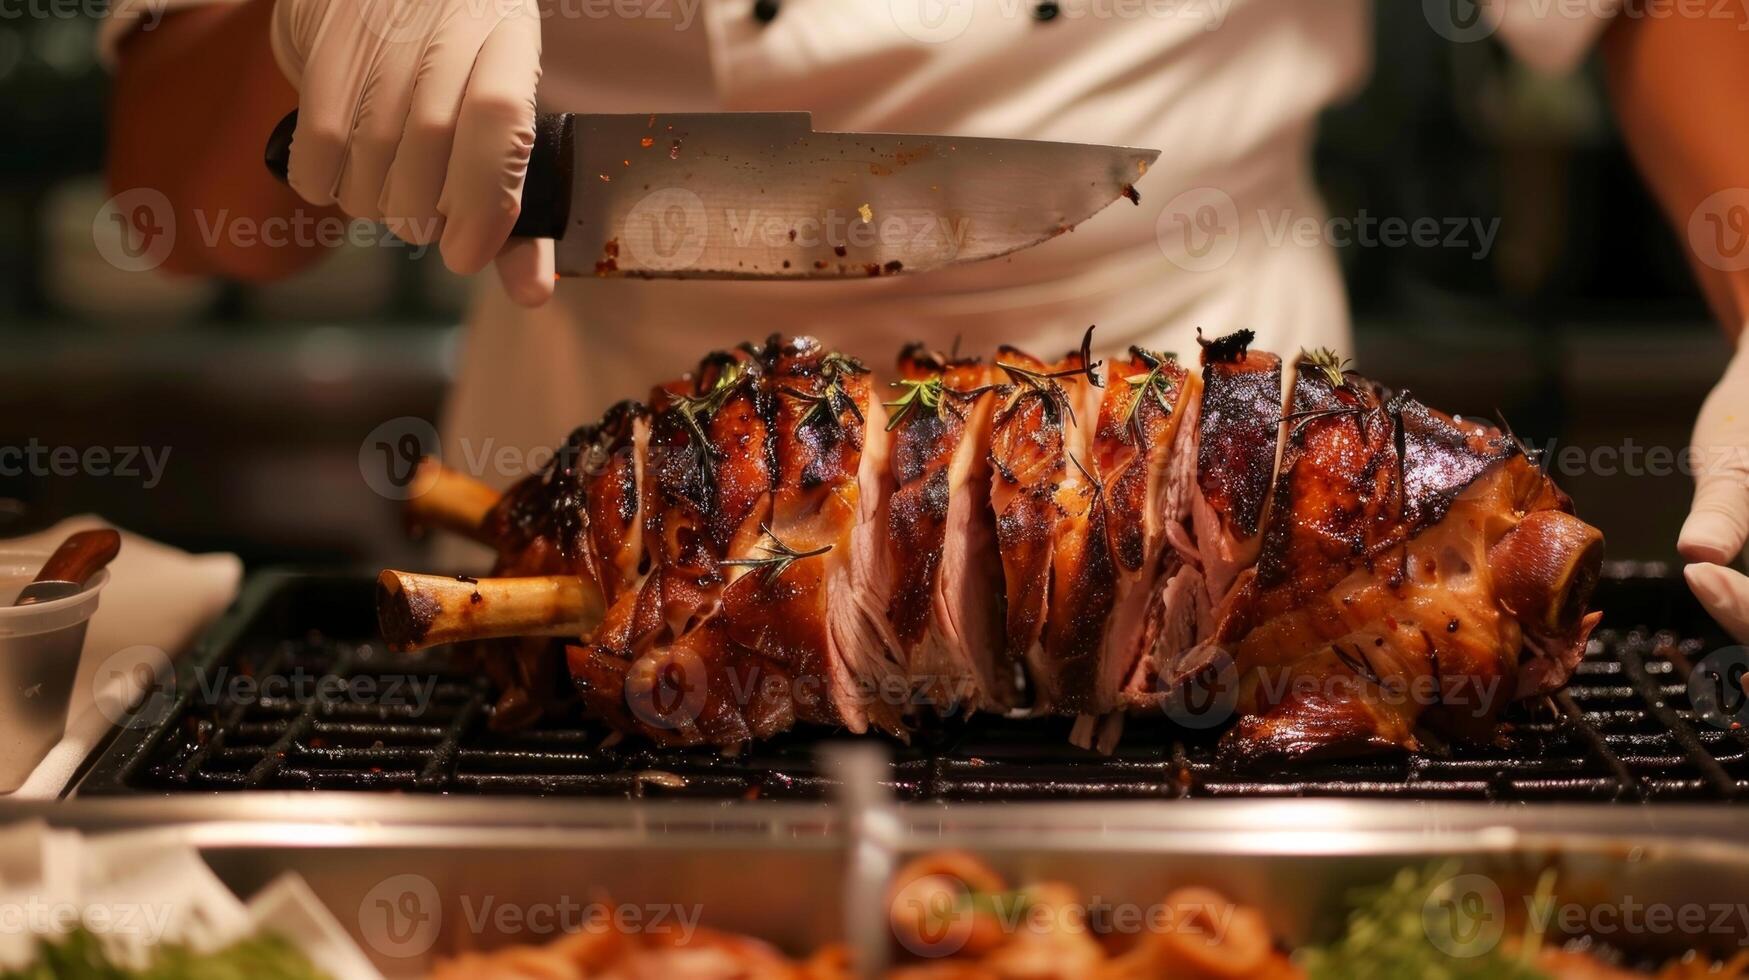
450,500
419,611
1545,569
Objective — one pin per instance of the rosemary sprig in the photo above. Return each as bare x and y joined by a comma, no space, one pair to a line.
1328,363
778,557
696,410
1149,383
1044,383
918,397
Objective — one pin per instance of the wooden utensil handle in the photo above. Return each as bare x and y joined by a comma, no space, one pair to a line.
80,556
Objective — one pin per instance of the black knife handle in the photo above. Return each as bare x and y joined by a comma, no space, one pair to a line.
546,190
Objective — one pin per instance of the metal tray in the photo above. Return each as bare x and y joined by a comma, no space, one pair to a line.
1623,731
390,866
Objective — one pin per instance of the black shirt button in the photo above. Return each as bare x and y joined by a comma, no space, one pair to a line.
1046,11
765,11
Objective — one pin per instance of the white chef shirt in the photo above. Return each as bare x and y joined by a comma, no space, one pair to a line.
1227,89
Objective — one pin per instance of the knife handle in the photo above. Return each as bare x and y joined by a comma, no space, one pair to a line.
546,190
80,556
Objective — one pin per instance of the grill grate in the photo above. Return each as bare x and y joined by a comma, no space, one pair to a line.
1623,730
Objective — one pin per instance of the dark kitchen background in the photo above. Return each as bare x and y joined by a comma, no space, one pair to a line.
1581,325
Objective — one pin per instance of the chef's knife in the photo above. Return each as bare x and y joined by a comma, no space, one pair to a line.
71,566
760,195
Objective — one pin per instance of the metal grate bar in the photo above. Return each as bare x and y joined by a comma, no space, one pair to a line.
1622,731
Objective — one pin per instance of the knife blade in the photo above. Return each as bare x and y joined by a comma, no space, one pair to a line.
761,195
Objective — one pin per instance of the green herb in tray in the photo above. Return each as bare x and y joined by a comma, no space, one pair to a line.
1392,929
81,957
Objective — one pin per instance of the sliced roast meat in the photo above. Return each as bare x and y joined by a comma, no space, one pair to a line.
945,569
1238,439
1058,572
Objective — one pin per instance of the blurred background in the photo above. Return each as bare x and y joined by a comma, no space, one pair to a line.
1579,323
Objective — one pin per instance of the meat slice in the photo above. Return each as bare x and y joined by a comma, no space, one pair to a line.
1141,444
832,478
941,550
1380,600
1238,442
705,497
792,633
1051,526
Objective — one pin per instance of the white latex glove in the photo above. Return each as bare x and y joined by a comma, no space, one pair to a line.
420,114
1714,533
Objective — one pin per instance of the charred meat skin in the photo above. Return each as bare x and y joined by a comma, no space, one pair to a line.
1373,607
1236,450
773,550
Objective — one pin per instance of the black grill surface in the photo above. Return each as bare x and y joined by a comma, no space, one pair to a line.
1624,729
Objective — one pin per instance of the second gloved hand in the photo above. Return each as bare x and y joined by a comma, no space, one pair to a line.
1714,533
420,114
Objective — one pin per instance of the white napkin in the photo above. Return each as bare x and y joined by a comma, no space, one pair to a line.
157,596
138,890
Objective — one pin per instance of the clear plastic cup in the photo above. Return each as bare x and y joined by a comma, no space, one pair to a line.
39,660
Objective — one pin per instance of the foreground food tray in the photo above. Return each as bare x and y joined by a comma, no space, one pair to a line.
418,879
1623,730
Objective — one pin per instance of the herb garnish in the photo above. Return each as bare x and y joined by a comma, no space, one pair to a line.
696,410
779,556
919,396
1044,383
1149,383
1328,363
1423,924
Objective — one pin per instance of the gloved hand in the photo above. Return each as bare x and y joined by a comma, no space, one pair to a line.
1714,533
420,114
